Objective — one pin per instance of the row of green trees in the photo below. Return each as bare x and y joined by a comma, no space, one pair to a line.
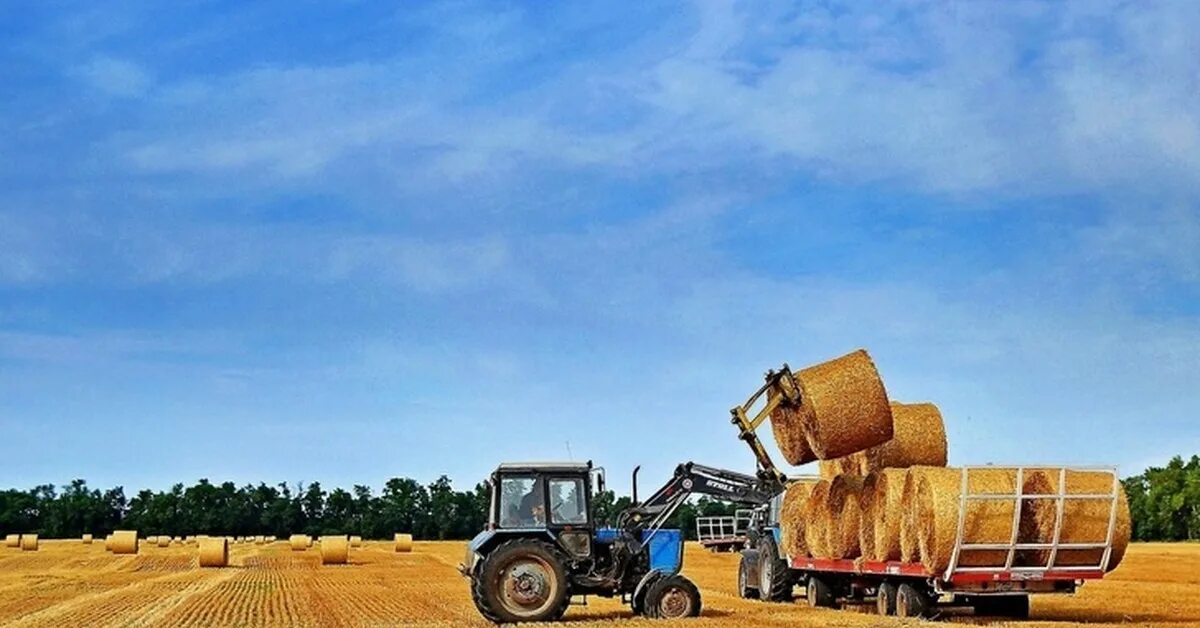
1164,502
433,511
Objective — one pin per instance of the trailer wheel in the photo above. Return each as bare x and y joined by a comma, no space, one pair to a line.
820,594
746,582
911,602
673,597
1010,606
774,578
885,599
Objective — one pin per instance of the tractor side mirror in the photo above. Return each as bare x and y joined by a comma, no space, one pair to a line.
598,473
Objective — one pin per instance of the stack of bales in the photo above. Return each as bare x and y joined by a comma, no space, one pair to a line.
885,493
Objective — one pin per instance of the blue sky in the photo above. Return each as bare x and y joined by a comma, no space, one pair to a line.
347,241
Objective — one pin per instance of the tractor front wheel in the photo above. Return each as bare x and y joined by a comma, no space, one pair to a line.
521,580
672,597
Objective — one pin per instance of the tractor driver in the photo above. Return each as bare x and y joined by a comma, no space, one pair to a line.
532,511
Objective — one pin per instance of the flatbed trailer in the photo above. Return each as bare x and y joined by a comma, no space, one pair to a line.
911,590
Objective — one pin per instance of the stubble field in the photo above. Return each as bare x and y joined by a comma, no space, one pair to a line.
66,583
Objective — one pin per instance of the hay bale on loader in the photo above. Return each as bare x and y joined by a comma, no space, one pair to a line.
918,439
792,520
335,550
403,543
787,425
124,542
214,552
1083,520
29,542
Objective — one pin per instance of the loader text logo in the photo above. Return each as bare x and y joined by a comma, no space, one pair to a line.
719,485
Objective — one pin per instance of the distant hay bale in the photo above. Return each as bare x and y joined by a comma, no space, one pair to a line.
87,539
816,534
335,550
918,439
842,516
1084,520
299,542
125,542
29,542
844,406
984,521
404,542
882,492
356,541
271,539
152,540
12,540
259,540
214,552
164,541
787,425
791,518
108,543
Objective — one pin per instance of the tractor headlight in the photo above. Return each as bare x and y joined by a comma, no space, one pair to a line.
578,543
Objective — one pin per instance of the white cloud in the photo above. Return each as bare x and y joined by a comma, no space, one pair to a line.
116,77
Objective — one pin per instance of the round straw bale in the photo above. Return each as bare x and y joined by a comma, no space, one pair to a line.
335,550
152,540
866,517
918,439
108,543
12,540
985,521
844,406
853,464
884,490
1084,520
125,542
404,542
214,552
842,516
909,550
87,539
29,542
356,541
816,534
787,425
260,539
791,517
299,542
164,541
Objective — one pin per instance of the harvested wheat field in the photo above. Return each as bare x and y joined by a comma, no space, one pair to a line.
68,584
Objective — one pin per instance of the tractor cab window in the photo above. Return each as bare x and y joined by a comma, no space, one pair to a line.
568,505
522,504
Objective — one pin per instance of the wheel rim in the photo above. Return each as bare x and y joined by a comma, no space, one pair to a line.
901,605
675,602
528,586
766,577
742,588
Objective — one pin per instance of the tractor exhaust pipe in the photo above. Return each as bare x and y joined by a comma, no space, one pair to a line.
635,474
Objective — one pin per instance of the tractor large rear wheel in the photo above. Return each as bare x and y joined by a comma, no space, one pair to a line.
521,580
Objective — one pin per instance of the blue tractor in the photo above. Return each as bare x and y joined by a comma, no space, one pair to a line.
542,547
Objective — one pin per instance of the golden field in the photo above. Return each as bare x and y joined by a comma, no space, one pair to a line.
66,583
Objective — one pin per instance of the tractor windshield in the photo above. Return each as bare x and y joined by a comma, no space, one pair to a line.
567,505
522,504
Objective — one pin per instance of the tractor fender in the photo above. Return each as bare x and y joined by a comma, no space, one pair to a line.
644,584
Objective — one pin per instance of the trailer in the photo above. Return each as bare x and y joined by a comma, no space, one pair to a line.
724,533
909,589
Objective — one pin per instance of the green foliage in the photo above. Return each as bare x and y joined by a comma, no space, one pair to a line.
1164,502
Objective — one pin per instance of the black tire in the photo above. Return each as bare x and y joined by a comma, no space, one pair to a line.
885,599
912,602
535,569
747,586
774,578
672,597
1008,606
820,594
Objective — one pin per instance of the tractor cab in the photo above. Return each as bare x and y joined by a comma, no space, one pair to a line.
542,496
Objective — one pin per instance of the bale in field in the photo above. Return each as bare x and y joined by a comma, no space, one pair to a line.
108,543
883,490
816,534
791,517
842,516
844,406
1084,520
299,542
125,542
356,541
787,425
404,542
985,521
12,540
214,552
152,540
87,539
29,542
259,540
164,541
335,550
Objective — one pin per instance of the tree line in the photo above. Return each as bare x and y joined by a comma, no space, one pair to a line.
1164,503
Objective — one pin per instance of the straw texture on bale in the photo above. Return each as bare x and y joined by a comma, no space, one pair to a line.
404,542
87,539
918,439
882,514
108,543
909,551
125,542
842,516
356,541
334,550
849,465
1084,520
299,542
844,406
164,541
791,517
985,521
153,540
816,534
12,540
214,552
29,542
787,425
